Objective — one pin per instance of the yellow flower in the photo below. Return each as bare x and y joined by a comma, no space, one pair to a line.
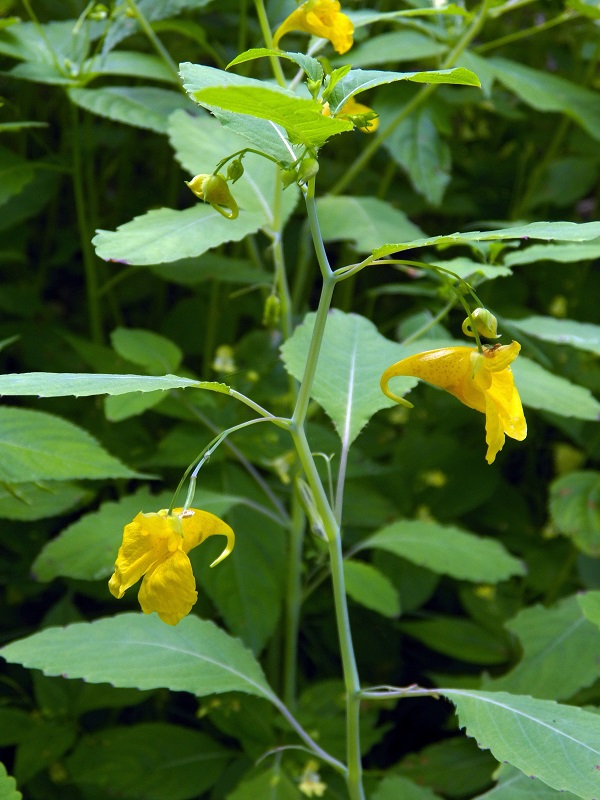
352,108
483,381
311,784
156,545
320,18
213,189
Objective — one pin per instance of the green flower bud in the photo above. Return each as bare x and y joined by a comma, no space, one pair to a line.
308,169
314,87
272,311
235,170
288,176
486,324
213,189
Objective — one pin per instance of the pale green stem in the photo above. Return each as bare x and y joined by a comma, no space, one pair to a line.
153,38
566,16
418,100
293,602
268,37
87,251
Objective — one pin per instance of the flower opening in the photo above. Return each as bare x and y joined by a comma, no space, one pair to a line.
483,381
320,18
156,546
363,117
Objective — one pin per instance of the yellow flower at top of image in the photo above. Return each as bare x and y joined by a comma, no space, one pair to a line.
483,381
322,18
353,108
156,546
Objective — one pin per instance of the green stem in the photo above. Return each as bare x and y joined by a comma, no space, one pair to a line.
153,38
268,37
281,281
293,602
566,16
87,251
367,154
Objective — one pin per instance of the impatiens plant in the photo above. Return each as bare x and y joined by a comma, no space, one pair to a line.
342,550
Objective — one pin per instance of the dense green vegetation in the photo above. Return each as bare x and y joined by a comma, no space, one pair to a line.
388,588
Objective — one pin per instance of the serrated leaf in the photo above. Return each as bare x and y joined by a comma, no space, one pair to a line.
546,92
8,786
146,349
310,65
544,390
447,550
371,588
303,119
359,80
582,335
35,446
81,384
514,784
149,761
353,357
561,652
86,550
556,743
30,501
550,231
575,509
140,106
165,234
364,221
141,652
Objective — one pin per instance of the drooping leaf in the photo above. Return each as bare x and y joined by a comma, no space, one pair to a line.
141,106
364,221
149,761
447,550
582,335
558,744
575,509
549,231
35,446
139,651
29,501
359,80
81,384
371,588
561,652
353,357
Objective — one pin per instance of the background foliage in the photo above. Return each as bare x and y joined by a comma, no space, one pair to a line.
460,575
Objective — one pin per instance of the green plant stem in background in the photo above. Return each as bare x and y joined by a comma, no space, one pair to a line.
153,39
293,602
87,251
268,38
367,154
566,16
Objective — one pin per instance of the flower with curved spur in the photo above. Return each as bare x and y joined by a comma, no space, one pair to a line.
483,381
156,546
322,18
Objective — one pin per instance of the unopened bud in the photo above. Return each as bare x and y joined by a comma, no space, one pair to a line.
486,324
308,169
288,176
213,189
272,311
235,170
314,87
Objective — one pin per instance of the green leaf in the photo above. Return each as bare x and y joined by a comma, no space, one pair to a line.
460,639
546,92
582,335
447,550
467,269
353,357
226,269
15,174
8,786
130,63
141,652
35,446
164,234
590,605
371,588
550,231
81,384
140,106
86,550
561,652
123,25
418,148
125,406
365,17
575,509
46,742
359,80
364,221
303,119
149,761
147,349
400,45
311,66
556,743
394,786
543,390
200,143
514,784
273,784
30,501
564,253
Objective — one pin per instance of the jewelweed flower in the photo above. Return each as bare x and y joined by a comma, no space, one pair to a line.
352,108
156,546
213,189
322,18
483,381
